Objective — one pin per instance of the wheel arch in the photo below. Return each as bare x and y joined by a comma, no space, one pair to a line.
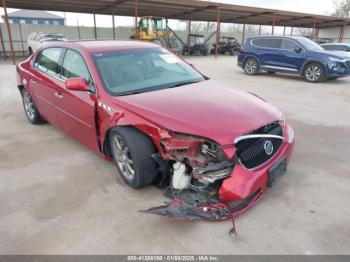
251,56
302,71
151,131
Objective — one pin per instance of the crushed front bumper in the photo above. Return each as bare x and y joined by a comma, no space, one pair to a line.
237,193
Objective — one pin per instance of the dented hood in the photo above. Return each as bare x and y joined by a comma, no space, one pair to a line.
209,109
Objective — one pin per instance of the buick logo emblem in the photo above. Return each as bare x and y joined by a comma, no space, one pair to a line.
268,146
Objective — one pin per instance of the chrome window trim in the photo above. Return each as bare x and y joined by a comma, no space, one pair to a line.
59,77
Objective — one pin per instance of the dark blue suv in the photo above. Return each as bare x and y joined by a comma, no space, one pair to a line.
296,55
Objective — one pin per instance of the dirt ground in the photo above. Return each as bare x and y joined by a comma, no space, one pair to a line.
57,197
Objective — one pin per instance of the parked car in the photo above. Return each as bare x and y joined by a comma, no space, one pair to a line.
38,39
337,47
160,119
195,45
227,45
324,40
295,55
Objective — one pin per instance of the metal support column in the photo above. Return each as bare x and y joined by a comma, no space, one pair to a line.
317,32
274,23
95,29
341,35
313,30
113,26
243,34
2,45
9,32
217,32
136,15
284,30
291,31
259,29
188,37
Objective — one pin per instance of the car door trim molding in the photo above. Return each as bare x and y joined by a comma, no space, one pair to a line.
280,68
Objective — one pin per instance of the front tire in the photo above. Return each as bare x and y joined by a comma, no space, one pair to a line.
314,72
30,108
131,151
251,66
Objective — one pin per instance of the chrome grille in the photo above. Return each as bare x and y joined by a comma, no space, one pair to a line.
253,152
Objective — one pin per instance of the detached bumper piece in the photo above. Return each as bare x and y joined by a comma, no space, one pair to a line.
189,205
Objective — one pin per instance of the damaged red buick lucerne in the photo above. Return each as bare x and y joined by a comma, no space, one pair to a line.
214,148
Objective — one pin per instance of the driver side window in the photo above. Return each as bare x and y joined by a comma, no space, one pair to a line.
289,45
74,66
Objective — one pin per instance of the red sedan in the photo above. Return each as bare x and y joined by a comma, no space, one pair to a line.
214,147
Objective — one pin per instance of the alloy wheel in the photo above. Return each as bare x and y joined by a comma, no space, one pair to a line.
251,66
313,73
28,105
123,158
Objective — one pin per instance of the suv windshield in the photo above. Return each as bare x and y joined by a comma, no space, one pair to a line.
310,45
143,70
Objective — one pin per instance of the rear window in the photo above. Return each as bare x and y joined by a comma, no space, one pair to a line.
267,42
48,59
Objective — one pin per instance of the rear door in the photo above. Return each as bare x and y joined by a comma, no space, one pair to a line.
76,109
267,50
44,81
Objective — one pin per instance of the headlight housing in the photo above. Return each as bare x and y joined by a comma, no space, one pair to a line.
184,147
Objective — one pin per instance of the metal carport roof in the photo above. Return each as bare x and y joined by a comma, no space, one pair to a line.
185,10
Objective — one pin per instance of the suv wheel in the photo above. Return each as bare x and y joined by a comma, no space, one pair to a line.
251,66
314,72
131,151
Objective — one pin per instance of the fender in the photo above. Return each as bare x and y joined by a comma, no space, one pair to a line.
250,56
114,117
309,60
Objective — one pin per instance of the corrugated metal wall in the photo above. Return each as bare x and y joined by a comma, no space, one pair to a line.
20,34
334,33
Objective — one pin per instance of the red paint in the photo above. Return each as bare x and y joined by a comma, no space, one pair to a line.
77,84
208,109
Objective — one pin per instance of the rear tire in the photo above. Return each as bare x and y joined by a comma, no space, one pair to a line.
30,51
131,151
251,66
30,109
314,73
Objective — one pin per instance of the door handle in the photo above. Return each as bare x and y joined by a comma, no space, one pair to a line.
58,95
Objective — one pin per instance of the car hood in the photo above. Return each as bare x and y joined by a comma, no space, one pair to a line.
335,54
209,109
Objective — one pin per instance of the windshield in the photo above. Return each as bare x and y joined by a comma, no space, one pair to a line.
196,40
310,45
143,70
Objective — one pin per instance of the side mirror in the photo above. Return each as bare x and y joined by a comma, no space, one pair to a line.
77,84
298,50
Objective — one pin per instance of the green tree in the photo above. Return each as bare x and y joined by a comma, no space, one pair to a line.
342,8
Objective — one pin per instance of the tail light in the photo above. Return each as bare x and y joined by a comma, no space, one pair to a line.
241,49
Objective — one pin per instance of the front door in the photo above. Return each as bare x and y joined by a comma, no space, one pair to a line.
292,55
76,109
